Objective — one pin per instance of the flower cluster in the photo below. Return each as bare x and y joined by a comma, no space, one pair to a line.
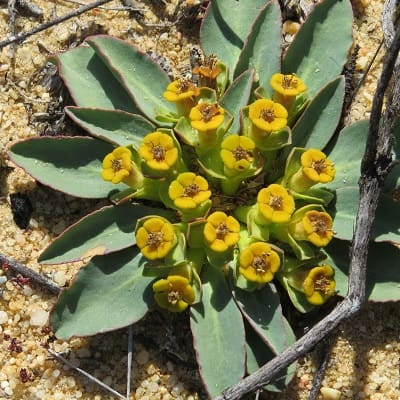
277,232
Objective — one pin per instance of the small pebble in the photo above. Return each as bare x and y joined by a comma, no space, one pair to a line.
330,394
3,317
39,317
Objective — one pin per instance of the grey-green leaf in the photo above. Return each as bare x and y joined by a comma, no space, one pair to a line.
347,154
109,229
321,47
108,294
225,27
141,77
218,334
262,48
258,354
237,96
263,311
114,126
318,123
344,211
69,164
90,82
383,271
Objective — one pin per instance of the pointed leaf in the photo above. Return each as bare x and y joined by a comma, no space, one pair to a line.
118,127
320,50
108,294
263,312
344,210
69,164
263,41
318,123
383,269
225,27
90,82
218,333
347,154
141,77
237,96
258,354
104,231
386,225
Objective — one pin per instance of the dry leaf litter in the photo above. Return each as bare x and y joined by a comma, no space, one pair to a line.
364,362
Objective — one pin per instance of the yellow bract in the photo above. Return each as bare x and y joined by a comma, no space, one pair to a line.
275,203
317,167
258,262
173,293
189,190
155,238
206,117
318,227
221,231
237,152
159,151
181,89
267,115
118,167
287,85
319,284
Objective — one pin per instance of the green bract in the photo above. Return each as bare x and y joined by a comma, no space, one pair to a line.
247,181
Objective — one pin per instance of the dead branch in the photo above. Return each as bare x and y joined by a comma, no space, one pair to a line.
39,279
22,36
26,6
375,166
86,375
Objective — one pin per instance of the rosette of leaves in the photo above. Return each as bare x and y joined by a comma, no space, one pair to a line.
117,92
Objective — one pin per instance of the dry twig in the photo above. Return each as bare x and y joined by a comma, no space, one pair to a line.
22,36
86,375
375,166
39,279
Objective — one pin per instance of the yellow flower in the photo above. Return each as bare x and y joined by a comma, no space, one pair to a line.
267,115
189,190
319,284
181,89
258,262
155,238
206,117
287,85
275,204
315,168
173,293
159,151
118,167
209,69
316,227
221,231
237,152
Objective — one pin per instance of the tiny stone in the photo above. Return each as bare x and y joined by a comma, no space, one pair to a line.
60,278
3,317
330,394
39,317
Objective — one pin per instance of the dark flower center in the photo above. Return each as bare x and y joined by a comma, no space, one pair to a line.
222,230
154,239
267,114
191,190
116,164
173,297
275,202
158,152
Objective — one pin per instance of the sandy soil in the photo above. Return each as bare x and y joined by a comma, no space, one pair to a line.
364,362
